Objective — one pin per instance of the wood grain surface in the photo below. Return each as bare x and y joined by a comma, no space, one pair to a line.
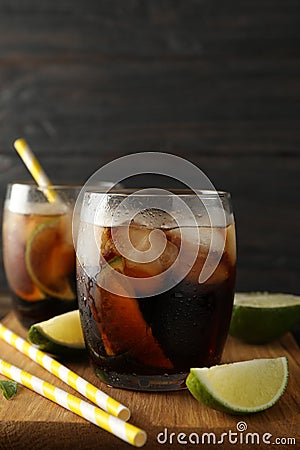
215,82
30,421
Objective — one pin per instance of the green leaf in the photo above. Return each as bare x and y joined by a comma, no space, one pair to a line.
9,388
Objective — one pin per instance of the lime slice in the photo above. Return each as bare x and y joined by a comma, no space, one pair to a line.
59,335
50,261
132,335
258,318
117,263
242,387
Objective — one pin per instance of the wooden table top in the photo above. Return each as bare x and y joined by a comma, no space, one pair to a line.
30,421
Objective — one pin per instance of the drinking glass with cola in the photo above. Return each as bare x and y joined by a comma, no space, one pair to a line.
38,250
155,279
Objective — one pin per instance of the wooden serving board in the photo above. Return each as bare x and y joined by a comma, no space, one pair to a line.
29,421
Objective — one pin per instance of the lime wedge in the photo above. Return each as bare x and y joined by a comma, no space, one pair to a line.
133,335
49,261
59,335
259,318
117,263
242,387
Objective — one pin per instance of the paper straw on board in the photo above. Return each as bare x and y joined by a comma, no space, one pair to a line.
82,386
35,168
123,430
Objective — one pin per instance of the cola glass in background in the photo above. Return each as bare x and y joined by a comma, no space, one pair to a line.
146,323
38,250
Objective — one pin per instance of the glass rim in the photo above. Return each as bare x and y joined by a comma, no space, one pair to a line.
138,192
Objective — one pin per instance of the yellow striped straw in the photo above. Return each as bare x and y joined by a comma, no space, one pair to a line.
123,430
35,169
82,386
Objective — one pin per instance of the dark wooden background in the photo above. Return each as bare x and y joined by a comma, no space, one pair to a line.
217,82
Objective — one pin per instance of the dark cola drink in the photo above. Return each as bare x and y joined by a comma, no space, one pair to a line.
38,252
142,335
